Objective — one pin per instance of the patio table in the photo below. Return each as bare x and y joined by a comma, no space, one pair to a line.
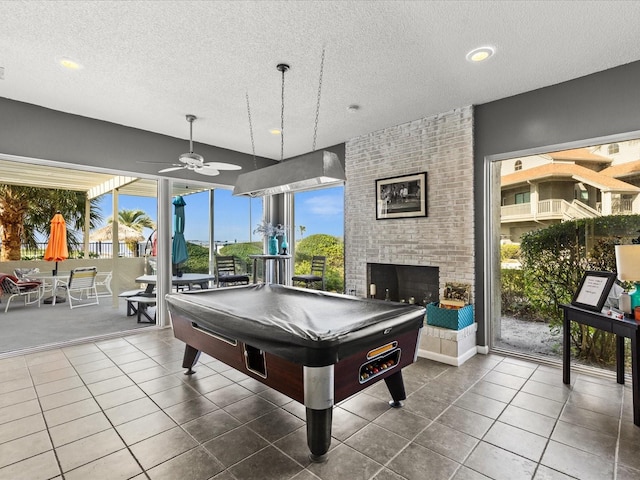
187,279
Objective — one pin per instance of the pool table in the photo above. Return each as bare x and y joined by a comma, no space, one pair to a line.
316,347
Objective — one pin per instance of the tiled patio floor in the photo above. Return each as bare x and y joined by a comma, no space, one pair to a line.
123,408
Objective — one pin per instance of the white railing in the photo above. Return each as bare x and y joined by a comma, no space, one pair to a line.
548,210
578,209
621,205
517,210
551,207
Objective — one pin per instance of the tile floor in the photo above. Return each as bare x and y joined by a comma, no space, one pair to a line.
122,408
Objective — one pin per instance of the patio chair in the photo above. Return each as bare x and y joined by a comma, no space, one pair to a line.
29,291
318,266
226,273
103,284
82,280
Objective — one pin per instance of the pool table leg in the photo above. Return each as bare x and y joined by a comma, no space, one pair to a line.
191,356
319,433
395,384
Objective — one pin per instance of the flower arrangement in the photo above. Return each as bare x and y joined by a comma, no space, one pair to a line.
267,229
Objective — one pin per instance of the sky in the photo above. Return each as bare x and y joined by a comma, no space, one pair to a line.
319,211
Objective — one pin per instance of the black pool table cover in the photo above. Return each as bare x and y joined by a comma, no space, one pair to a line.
309,327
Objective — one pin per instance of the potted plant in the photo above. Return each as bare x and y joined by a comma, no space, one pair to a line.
272,232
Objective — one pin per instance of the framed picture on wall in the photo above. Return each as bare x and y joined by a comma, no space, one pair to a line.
593,290
401,197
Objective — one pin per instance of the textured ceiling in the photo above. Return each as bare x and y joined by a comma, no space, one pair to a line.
148,63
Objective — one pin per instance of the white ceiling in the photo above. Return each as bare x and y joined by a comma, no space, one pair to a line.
148,63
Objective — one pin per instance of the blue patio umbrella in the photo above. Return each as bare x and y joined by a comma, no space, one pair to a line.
179,246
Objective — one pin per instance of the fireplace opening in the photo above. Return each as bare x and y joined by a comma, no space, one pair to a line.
404,282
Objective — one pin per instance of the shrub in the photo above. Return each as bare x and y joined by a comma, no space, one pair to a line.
554,260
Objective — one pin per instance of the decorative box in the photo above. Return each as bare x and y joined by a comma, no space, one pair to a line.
454,319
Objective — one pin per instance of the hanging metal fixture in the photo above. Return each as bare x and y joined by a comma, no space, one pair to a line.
311,170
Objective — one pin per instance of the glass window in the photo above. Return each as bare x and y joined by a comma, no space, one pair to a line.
319,230
234,220
538,259
518,165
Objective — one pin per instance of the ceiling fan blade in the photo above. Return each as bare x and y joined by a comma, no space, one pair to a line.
206,170
171,169
153,163
222,166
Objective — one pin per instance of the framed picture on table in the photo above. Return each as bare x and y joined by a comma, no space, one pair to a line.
593,290
402,197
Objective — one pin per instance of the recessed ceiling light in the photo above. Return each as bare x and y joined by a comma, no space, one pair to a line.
480,54
275,131
69,64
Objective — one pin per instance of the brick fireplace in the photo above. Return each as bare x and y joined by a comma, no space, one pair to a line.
442,242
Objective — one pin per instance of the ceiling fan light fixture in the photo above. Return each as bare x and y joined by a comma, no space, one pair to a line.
194,162
191,158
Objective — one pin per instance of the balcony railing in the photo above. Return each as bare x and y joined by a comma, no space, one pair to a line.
552,209
96,250
621,206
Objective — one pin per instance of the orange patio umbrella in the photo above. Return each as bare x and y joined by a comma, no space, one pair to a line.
57,250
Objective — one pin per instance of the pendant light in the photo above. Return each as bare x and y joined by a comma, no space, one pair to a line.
311,170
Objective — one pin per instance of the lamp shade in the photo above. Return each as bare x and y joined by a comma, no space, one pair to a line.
628,262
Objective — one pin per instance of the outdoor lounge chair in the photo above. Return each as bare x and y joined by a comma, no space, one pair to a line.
82,280
28,290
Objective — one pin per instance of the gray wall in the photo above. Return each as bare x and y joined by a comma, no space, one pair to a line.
605,103
31,131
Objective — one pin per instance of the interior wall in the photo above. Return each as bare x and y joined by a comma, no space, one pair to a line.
442,146
36,132
567,115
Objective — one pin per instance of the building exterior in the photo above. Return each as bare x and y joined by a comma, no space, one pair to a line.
540,190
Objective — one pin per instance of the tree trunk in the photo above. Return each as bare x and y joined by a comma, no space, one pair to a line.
12,212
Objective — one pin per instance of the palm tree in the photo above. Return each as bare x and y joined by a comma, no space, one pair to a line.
27,211
302,229
136,219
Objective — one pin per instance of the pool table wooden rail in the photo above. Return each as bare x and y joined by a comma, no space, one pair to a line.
281,374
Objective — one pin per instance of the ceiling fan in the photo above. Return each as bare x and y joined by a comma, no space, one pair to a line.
195,162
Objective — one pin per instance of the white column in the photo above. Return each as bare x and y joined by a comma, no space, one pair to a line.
164,273
606,203
534,198
212,245
115,246
635,204
288,218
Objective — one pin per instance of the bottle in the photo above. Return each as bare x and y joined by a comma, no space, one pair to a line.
386,295
625,303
